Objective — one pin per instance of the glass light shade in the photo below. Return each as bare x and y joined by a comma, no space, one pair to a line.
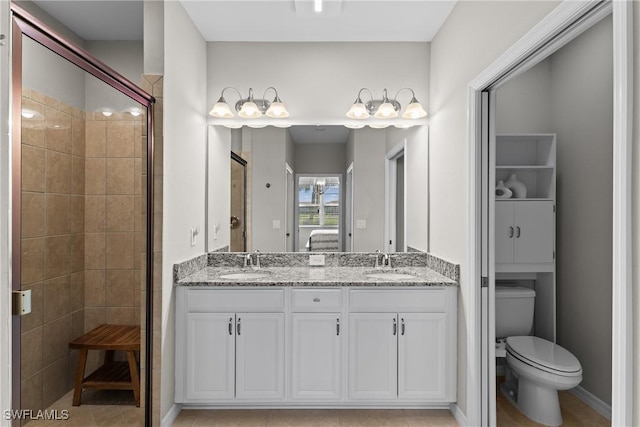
354,125
249,110
281,125
403,125
222,110
358,111
414,111
378,126
257,125
386,111
233,125
277,110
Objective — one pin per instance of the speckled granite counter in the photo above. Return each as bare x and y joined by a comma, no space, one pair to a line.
316,276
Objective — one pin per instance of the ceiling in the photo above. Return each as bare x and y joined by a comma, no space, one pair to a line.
264,20
319,134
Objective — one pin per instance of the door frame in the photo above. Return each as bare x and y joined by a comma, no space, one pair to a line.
24,23
563,24
391,197
242,162
289,207
348,209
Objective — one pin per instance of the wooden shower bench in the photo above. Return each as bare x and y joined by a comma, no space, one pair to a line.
111,375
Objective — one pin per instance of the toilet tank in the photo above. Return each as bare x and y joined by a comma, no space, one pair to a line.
514,311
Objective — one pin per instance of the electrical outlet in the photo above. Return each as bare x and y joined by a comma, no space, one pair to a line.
276,224
361,223
316,260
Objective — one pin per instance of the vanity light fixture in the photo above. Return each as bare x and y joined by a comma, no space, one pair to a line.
385,108
355,125
250,108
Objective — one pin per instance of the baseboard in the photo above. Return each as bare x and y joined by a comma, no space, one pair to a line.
171,415
460,417
594,402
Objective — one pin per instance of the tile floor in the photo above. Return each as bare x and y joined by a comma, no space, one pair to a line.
115,408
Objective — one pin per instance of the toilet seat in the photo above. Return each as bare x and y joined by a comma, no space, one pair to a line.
544,355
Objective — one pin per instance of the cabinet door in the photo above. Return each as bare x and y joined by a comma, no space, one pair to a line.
422,356
373,356
259,355
504,232
534,236
317,348
209,356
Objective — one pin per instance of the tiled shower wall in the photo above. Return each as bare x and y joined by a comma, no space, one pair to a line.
81,183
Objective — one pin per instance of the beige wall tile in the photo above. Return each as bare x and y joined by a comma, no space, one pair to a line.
31,352
57,256
158,147
120,176
95,173
77,214
35,318
45,99
58,214
57,134
138,248
77,290
119,286
120,213
33,169
32,260
78,137
77,252
55,339
33,128
55,381
94,251
77,327
138,181
93,317
77,175
33,208
96,138
157,193
95,214
31,392
57,298
57,172
120,139
94,288
120,315
119,253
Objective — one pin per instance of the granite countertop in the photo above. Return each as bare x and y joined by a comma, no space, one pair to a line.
317,276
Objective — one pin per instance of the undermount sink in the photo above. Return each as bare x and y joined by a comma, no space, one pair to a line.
391,275
244,276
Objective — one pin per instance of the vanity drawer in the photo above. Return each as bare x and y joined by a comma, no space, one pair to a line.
392,300
316,300
227,300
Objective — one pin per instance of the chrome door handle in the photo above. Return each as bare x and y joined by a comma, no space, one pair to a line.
231,326
238,326
518,232
395,326
337,326
510,232
402,326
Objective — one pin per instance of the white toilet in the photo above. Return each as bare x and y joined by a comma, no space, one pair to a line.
536,368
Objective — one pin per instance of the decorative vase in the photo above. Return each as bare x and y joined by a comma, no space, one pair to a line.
518,188
502,192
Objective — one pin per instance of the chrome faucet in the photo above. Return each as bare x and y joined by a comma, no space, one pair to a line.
256,264
386,260
247,260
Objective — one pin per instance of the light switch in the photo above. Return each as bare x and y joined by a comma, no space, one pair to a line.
276,223
193,232
361,223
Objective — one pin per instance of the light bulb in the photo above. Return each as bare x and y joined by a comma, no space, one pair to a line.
28,114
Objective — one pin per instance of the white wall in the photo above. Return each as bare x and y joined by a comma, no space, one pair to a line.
320,158
417,183
127,58
474,35
318,82
268,146
219,191
636,212
368,192
184,167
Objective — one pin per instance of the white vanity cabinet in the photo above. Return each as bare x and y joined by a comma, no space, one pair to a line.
230,346
316,344
400,345
338,347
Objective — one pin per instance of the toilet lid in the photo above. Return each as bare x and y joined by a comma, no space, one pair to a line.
544,353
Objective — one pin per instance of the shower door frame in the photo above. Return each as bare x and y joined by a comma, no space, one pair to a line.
24,23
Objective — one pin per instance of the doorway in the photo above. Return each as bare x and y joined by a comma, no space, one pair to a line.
395,202
318,213
536,46
81,134
238,221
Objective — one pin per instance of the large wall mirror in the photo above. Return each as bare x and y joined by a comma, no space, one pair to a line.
317,188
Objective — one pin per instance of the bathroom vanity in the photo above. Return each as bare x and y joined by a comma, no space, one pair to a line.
333,336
